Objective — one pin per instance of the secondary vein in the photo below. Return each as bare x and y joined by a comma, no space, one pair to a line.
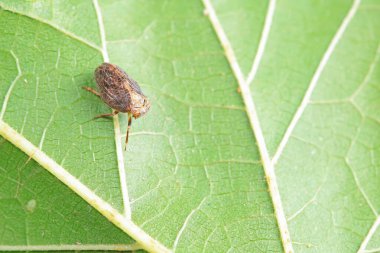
315,79
119,148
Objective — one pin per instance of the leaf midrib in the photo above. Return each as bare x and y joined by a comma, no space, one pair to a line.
253,118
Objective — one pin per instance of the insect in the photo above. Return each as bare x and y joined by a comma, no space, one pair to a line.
120,92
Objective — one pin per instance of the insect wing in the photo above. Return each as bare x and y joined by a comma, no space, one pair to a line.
111,82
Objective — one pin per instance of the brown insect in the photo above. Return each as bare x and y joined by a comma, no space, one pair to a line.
120,92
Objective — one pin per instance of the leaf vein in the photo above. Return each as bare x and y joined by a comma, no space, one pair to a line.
368,237
8,94
256,128
263,41
127,225
119,149
306,99
60,29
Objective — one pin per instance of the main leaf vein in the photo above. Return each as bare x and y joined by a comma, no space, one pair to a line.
256,128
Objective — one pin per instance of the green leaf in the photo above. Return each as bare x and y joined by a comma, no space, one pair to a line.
263,133
36,209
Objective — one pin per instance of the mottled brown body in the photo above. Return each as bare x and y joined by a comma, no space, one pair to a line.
120,92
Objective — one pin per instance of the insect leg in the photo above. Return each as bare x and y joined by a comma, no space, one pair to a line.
91,90
104,115
129,127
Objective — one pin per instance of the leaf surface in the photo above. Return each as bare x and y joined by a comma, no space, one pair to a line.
36,209
251,101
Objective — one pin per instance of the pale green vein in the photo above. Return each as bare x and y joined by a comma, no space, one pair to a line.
306,99
119,148
58,28
127,225
19,73
371,232
256,128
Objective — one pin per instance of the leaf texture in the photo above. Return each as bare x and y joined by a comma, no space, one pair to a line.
262,136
